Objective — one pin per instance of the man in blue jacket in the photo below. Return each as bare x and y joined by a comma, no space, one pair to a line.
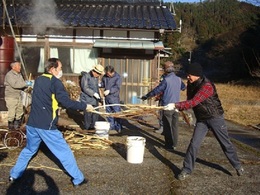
48,92
111,82
170,86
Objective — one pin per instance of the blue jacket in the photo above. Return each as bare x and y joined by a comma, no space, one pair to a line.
48,92
112,84
170,86
89,86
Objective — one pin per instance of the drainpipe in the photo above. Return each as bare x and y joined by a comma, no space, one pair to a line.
158,64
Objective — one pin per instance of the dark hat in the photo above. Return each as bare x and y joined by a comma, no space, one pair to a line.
195,69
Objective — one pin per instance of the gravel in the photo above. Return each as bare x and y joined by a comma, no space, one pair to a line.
108,171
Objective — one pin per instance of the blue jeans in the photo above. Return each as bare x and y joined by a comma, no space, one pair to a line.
219,129
58,146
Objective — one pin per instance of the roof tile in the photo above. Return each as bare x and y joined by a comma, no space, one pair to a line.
129,16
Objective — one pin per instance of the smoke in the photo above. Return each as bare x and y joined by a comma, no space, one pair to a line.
43,16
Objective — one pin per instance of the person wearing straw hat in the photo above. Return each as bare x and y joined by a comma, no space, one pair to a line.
90,93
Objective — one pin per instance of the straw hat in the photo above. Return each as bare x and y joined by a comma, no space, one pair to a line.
99,69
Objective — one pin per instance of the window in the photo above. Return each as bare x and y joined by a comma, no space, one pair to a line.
74,60
136,79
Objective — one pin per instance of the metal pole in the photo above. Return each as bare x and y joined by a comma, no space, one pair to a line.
158,65
12,30
190,58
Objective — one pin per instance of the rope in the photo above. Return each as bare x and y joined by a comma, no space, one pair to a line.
8,140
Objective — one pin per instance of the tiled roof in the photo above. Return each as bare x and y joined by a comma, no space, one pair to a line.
96,14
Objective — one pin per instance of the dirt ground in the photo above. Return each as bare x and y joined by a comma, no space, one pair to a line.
109,173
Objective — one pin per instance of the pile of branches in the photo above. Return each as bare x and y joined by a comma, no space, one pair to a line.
78,141
73,89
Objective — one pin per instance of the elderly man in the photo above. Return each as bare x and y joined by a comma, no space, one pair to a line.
170,88
90,94
42,123
14,85
202,97
111,82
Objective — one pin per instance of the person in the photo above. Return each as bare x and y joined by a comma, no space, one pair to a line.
159,99
90,94
202,97
111,82
14,85
48,92
171,86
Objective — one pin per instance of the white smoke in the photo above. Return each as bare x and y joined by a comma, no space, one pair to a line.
43,16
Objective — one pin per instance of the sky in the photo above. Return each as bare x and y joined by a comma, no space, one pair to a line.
255,2
182,1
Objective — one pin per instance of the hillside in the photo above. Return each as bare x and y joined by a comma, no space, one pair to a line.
223,35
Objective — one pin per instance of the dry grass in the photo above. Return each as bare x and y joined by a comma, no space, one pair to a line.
241,103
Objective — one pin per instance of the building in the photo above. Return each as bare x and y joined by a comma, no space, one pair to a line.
82,33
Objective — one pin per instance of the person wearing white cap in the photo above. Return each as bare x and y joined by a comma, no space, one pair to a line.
90,93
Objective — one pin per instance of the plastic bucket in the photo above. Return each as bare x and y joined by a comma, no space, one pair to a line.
102,129
135,149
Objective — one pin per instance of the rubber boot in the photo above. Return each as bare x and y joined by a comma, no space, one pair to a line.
11,125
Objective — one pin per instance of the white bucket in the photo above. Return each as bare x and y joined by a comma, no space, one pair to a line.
135,149
102,129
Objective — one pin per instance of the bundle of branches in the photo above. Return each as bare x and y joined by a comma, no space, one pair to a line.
73,89
78,141
135,112
129,111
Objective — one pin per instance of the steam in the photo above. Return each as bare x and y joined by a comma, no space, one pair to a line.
43,16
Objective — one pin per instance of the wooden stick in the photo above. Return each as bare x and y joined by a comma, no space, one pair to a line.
185,118
30,77
135,106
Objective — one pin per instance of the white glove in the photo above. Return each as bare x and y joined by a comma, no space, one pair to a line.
89,107
106,92
96,96
170,106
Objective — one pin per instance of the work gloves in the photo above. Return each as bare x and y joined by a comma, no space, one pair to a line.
106,92
28,83
144,97
89,107
170,106
96,96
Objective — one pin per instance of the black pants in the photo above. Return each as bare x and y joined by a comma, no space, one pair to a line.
90,119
